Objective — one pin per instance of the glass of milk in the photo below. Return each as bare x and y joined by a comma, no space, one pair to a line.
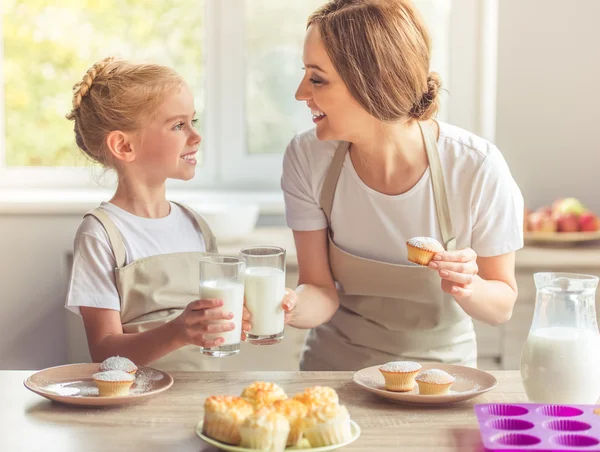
222,277
264,290
560,361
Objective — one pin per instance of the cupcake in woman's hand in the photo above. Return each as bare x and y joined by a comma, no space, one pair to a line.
434,382
262,393
118,363
422,249
265,430
223,416
327,424
400,375
113,383
294,411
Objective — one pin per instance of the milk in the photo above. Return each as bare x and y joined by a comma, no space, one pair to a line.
561,365
265,288
232,294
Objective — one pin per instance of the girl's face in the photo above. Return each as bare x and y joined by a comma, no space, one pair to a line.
168,142
336,113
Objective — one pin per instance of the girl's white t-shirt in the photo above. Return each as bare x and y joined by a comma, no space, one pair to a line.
92,280
485,202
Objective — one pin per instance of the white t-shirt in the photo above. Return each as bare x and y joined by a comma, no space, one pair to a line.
92,281
485,203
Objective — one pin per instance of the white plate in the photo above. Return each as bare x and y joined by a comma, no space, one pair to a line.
72,384
561,237
304,445
469,383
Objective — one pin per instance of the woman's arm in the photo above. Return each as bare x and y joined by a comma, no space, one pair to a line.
485,287
317,297
106,338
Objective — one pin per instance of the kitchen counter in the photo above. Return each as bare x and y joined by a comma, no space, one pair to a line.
530,257
167,422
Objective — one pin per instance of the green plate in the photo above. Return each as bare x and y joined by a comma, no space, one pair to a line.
304,445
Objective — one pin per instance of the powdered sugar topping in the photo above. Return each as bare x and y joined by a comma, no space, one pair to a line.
426,243
117,363
435,376
113,375
400,366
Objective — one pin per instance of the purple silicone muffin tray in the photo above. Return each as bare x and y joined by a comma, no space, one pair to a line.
539,427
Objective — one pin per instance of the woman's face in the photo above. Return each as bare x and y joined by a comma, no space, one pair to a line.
336,113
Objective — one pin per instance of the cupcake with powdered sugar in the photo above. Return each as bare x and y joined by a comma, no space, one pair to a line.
400,375
422,249
434,382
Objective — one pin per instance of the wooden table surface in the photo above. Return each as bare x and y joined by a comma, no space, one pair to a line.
167,422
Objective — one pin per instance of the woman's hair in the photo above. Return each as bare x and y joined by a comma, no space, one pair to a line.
117,95
381,49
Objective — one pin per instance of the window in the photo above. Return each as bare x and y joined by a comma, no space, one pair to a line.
242,68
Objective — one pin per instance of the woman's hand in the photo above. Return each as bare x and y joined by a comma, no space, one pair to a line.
201,317
457,270
288,304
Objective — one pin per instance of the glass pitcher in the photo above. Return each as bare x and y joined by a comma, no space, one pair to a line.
560,361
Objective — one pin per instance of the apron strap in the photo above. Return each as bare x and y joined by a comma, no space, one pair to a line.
439,188
209,239
114,235
331,180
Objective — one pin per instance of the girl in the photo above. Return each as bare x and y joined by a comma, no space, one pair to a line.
135,267
377,171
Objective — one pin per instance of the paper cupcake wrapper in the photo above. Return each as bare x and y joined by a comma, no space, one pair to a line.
433,388
399,381
221,430
113,388
261,439
419,256
328,434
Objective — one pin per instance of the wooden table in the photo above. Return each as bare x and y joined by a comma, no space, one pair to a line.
167,422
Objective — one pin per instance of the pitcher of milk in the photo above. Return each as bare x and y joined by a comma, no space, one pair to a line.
560,361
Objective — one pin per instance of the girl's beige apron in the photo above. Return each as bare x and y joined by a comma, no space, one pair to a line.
155,290
389,312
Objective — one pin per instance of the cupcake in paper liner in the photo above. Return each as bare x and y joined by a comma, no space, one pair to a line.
422,249
400,375
118,363
265,430
223,416
327,424
113,383
294,411
261,393
434,382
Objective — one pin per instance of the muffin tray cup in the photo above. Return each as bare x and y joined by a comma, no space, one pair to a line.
539,427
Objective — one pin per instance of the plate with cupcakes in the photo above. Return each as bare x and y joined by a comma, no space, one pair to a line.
115,381
263,417
424,383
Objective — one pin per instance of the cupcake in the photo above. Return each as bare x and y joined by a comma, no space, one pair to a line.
434,382
223,416
113,383
118,363
317,395
422,249
262,393
400,375
327,424
265,430
294,411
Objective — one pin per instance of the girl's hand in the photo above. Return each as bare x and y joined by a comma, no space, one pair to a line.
457,270
290,299
200,318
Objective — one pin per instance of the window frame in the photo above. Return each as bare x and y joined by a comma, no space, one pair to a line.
226,164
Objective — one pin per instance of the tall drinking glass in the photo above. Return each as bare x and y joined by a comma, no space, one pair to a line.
222,277
264,290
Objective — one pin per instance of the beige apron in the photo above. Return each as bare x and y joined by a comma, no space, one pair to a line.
387,311
155,290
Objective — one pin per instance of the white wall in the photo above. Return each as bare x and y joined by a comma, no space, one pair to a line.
548,105
33,282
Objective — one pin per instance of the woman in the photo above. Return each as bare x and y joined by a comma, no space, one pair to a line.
376,171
